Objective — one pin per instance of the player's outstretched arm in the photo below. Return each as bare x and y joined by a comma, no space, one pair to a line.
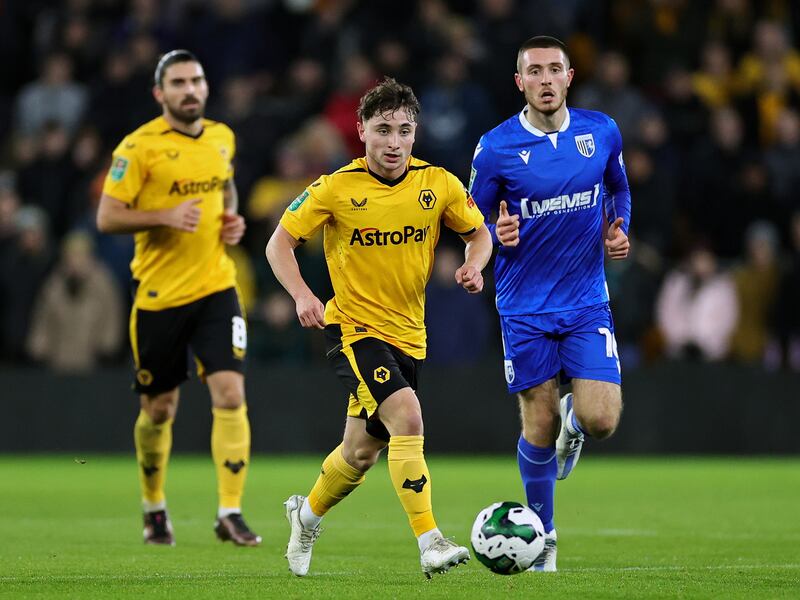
617,243
114,216
477,253
280,255
507,226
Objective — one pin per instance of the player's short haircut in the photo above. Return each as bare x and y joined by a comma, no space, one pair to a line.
170,58
542,41
387,97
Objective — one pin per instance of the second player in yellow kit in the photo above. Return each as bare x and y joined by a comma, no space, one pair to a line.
381,216
156,168
171,184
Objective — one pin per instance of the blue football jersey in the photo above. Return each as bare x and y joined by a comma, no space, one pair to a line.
561,184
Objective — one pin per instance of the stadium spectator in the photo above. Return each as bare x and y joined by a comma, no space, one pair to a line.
53,97
499,24
714,82
22,270
257,131
48,180
771,47
612,93
77,316
731,21
697,309
117,101
685,114
277,336
757,280
458,324
355,77
782,160
715,192
653,135
787,318
637,277
456,112
231,37
654,215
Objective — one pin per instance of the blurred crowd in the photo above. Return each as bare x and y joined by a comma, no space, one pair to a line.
706,94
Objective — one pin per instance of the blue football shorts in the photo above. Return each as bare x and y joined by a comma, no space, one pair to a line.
570,344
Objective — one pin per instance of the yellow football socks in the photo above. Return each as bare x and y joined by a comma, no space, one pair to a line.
411,480
153,444
336,480
230,449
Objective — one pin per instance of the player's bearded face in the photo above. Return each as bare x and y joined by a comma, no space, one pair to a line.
388,138
544,77
184,91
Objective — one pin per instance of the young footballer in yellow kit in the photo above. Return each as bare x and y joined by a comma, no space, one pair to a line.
381,217
171,184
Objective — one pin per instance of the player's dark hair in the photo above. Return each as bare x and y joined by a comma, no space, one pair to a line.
387,97
542,41
170,58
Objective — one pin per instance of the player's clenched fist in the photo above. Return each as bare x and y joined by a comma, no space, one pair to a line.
469,278
185,216
507,226
617,243
233,227
310,311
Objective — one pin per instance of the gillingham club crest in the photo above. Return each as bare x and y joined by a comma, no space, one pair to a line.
509,367
585,144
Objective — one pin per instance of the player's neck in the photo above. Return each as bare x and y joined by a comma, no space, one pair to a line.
192,129
546,123
377,169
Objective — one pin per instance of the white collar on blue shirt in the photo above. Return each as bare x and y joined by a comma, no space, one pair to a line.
538,132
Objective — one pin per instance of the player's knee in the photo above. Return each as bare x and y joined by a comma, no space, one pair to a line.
601,427
161,408
410,423
228,395
402,415
161,415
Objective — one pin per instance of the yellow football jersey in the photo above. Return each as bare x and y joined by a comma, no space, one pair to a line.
379,241
154,168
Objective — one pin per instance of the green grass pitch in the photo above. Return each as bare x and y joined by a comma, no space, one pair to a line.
668,527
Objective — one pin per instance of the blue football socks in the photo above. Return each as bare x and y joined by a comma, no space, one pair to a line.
538,468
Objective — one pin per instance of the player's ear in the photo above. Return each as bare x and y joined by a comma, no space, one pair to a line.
158,94
570,75
361,130
518,81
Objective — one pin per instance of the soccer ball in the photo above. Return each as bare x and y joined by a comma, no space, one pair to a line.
507,537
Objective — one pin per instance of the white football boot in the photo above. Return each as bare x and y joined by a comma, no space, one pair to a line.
301,539
546,561
441,555
569,442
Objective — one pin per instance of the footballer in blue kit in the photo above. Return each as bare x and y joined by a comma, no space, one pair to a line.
555,178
